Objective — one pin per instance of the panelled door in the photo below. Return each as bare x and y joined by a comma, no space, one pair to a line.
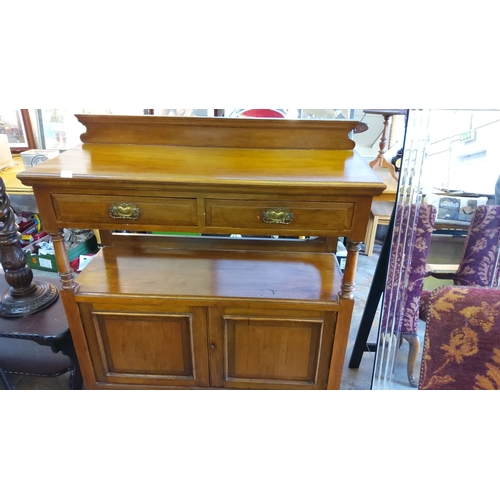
255,349
156,346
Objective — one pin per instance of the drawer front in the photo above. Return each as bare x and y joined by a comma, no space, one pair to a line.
120,210
274,216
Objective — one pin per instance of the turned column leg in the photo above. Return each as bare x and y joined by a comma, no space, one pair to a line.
68,289
343,324
348,281
65,272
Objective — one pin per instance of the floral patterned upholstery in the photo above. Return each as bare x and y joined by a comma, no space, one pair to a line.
479,265
407,270
462,339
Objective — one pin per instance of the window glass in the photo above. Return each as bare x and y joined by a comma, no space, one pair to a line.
184,112
325,114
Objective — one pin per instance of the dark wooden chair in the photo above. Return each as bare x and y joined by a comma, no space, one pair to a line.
39,344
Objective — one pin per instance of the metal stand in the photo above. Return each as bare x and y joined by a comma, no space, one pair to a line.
376,290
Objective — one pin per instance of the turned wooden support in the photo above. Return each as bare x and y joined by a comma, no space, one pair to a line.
380,160
65,271
349,281
24,296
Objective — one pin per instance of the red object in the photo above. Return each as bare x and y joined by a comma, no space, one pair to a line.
262,113
75,263
26,225
38,236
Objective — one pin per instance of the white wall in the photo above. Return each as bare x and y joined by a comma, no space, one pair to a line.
472,166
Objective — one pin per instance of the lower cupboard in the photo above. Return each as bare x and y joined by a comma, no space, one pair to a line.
168,344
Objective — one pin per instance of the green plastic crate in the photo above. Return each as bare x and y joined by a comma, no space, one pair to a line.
49,263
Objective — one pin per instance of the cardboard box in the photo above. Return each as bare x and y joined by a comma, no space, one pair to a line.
48,262
455,208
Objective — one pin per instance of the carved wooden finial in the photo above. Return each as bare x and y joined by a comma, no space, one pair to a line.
24,296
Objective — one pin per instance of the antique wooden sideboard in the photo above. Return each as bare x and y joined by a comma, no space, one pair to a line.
210,311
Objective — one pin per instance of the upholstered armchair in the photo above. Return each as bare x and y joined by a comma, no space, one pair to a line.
480,263
462,339
406,275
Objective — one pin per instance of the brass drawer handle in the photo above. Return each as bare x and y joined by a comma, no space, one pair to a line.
277,216
124,211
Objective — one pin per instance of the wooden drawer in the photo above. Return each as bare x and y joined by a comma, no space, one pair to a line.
313,218
119,210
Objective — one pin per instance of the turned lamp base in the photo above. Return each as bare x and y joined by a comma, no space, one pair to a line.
38,297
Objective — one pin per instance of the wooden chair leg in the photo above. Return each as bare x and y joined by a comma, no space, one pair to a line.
414,342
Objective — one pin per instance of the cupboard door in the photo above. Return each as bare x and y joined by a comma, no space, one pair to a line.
148,348
254,351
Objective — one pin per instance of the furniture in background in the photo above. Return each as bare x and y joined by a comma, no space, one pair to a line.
462,339
21,196
380,213
391,190
23,296
29,311
400,284
380,159
156,311
39,344
382,206
480,262
406,278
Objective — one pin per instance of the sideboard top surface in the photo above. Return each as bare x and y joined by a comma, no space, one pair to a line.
148,166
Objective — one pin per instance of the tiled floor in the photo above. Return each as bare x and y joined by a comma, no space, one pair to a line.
352,379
